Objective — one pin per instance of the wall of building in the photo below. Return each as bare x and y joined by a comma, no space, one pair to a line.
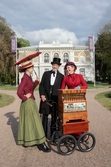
66,52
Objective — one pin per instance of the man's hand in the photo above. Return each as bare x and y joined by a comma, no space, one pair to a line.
43,98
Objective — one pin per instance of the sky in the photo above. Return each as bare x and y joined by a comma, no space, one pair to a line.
56,20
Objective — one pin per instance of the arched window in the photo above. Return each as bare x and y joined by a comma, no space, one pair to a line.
56,55
82,57
46,58
65,57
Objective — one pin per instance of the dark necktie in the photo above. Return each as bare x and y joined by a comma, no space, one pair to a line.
53,73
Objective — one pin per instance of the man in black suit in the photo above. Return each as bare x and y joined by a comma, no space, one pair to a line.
48,90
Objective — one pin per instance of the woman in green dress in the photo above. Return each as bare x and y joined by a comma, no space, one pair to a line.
30,129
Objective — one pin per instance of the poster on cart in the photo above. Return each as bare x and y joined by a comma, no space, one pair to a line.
71,107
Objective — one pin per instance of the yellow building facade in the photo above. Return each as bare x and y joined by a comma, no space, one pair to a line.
78,54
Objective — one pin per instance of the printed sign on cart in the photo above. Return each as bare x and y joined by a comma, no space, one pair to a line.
75,106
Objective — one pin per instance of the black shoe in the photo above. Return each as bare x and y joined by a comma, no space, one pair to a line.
24,146
43,147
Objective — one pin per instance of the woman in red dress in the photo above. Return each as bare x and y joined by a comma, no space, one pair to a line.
73,80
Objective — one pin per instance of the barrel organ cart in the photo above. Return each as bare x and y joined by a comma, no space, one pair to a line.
72,123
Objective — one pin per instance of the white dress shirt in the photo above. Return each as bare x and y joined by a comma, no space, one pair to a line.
53,77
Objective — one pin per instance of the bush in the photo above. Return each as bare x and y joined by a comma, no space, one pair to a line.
90,82
109,95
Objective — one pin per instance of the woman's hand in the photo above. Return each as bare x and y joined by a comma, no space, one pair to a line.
28,95
38,79
77,87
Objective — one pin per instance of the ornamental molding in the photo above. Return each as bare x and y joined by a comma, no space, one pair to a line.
57,48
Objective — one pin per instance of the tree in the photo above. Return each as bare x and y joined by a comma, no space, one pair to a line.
7,59
103,52
22,42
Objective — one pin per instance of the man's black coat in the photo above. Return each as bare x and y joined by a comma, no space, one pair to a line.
44,88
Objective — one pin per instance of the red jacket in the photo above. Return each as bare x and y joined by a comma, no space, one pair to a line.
26,86
74,80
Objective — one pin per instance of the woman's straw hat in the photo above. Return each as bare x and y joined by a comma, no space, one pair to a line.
26,61
25,65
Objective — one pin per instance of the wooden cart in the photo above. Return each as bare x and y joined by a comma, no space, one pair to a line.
72,109
73,118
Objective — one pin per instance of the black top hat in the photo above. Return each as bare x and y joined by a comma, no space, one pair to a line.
56,61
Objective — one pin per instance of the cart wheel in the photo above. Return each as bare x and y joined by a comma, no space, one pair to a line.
55,137
86,142
66,145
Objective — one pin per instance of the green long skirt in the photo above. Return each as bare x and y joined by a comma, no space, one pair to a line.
30,129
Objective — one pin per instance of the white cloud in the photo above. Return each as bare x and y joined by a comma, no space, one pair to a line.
103,18
83,41
46,35
49,20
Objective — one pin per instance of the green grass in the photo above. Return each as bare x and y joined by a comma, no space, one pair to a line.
102,97
10,87
6,99
105,99
90,86
103,85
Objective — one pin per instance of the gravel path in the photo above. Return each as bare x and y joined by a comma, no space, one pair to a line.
12,155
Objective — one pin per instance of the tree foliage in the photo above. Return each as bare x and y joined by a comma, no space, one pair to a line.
7,58
103,53
22,42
